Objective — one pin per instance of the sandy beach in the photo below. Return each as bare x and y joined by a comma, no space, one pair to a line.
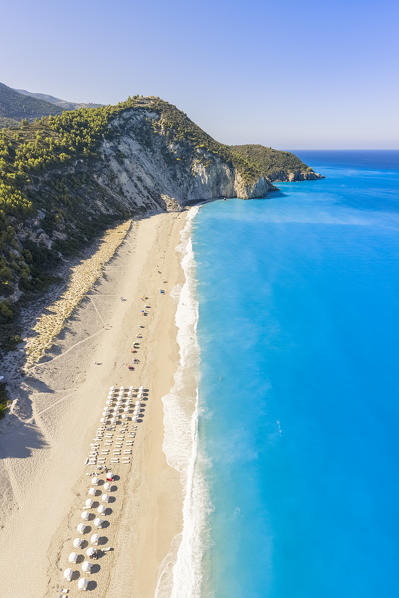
42,469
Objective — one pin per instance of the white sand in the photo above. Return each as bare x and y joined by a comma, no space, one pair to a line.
42,472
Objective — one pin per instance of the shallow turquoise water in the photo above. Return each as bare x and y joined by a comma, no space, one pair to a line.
298,328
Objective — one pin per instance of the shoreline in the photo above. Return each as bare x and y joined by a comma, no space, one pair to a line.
42,465
180,573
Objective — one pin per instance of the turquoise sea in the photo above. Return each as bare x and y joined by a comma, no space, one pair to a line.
299,404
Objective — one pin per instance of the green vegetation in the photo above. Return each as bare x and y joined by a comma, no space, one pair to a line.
275,165
176,125
7,122
15,106
3,399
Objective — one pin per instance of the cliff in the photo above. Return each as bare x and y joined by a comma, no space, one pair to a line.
65,178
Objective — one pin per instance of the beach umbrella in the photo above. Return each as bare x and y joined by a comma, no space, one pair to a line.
89,502
110,476
68,574
86,566
73,557
85,515
90,551
98,522
94,539
101,509
95,481
82,584
111,387
81,528
126,409
92,491
77,543
105,497
107,486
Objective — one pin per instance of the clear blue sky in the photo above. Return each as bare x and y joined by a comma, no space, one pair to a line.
285,73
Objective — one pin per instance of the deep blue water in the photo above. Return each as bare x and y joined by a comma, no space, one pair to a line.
299,333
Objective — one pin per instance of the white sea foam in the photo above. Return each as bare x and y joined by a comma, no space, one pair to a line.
180,571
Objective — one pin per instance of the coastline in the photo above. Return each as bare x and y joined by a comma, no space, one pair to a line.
180,571
42,465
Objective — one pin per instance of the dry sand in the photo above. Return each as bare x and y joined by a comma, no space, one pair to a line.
42,471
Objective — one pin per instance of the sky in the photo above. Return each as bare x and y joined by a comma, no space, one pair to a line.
284,73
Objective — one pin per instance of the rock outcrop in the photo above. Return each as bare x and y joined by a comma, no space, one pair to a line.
157,172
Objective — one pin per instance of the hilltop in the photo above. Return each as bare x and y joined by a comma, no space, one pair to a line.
274,164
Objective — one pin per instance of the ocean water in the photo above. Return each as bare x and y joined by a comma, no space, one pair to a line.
298,424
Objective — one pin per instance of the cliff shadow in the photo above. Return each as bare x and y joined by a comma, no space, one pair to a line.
19,438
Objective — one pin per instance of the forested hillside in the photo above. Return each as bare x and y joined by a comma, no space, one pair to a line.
275,164
15,106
